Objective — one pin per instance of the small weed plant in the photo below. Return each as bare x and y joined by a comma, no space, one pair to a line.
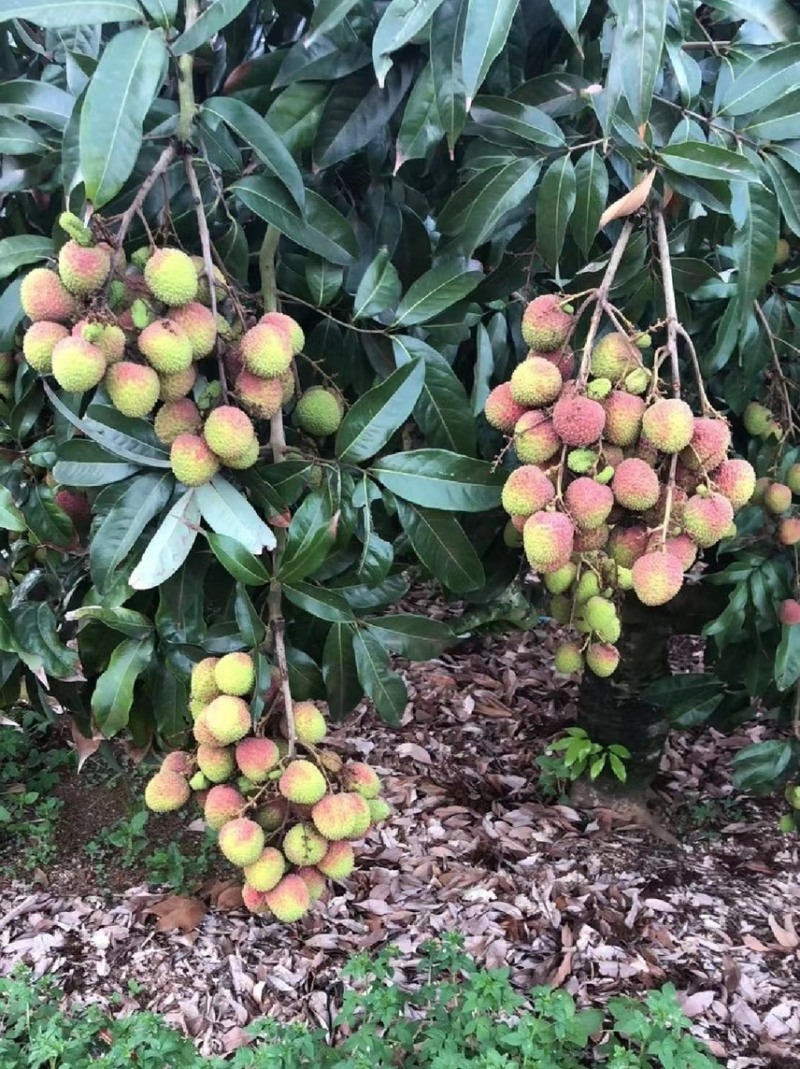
575,755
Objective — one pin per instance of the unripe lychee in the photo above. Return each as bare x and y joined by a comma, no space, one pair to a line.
333,816
200,729
756,419
309,723
179,385
777,498
657,578
736,479
165,347
669,425
359,777
588,586
789,531
266,351
199,326
623,417
602,658
262,397
256,758
246,459
83,270
548,538
266,871
535,382
527,490
314,881
635,485
192,461
614,357
132,388
166,792
588,503
241,841
626,544
178,761
214,760
568,658
501,410
302,783
290,900
379,810
600,615
598,389
228,719
789,612
560,609
108,337
319,412
706,519
38,343
223,803
228,432
591,540
44,296
77,365
560,581
578,421
303,845
200,782
272,814
564,359
580,461
203,292
545,325
637,381
338,862
711,439
535,440
292,328
176,418
235,674
793,478
171,277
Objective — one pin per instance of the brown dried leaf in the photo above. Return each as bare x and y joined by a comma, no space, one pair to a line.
83,746
785,936
630,203
412,750
178,911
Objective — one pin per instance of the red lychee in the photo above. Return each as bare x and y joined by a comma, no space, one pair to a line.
545,325
548,538
623,417
669,425
527,490
501,410
535,440
706,519
635,485
578,420
535,382
588,502
711,439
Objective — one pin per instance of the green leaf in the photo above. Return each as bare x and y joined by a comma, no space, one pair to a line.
443,410
321,228
251,626
357,111
513,117
143,499
259,135
385,687
57,14
446,44
228,512
379,288
402,20
162,12
378,413
46,521
571,14
170,545
240,562
787,658
443,547
24,249
435,478
320,603
180,616
762,83
311,534
777,17
699,160
473,213
754,241
11,519
36,100
126,621
340,672
19,139
591,194
554,207
129,439
215,18
295,114
785,182
636,54
305,678
761,766
113,693
11,314
777,122
82,463
417,637
485,32
327,15
41,647
435,291
324,280
117,100
421,128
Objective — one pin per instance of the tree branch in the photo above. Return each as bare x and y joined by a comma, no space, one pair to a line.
601,298
161,165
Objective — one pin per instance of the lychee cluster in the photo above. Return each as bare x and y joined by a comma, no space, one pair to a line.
287,821
618,488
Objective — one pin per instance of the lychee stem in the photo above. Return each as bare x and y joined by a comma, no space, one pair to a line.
672,347
600,301
161,165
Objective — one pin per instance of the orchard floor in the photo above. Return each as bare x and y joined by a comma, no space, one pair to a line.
574,898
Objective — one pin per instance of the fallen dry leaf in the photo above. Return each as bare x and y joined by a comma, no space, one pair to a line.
178,911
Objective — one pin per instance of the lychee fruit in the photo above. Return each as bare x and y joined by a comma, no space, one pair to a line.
133,388
228,719
657,578
241,841
601,617
272,814
789,612
309,723
179,385
545,325
706,519
302,783
637,381
635,485
680,546
266,351
789,531
178,761
564,359
165,347
602,658
560,609
228,432
203,293
736,479
77,365
199,326
614,357
262,397
711,439
333,816
588,503
76,506
793,478
527,490
359,777
338,862
777,498
669,425
379,810
200,729
192,461
319,412
623,417
568,659
108,337
83,270
578,421
757,419
535,439
255,901
44,296
535,382
171,277
588,541
166,792
266,871
627,544
290,900
501,410
560,581
176,418
548,538
303,845
38,343
257,757
292,328
223,803
235,674
314,881
202,684
246,459
214,760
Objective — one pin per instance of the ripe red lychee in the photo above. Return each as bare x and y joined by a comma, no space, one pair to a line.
657,578
669,425
588,502
527,490
180,384
83,269
223,803
44,296
535,382
564,359
338,862
166,792
257,757
361,778
545,325
623,417
548,538
711,439
680,546
78,365
290,326
333,816
635,485
627,544
535,439
706,519
199,326
587,541
736,479
501,410
789,612
241,841
578,420
76,506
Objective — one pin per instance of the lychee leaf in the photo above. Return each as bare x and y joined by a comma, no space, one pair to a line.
250,624
57,14
310,537
242,565
113,693
379,288
438,479
170,545
143,499
228,512
416,637
401,21
340,672
214,18
305,678
421,127
379,413
83,463
11,519
23,249
436,291
327,15
320,603
442,546
442,411
385,687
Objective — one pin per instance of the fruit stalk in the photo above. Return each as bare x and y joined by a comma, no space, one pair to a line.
601,299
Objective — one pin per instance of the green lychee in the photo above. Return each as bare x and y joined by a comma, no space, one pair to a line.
108,337
309,723
132,388
241,841
199,326
266,351
527,490
83,270
192,461
535,439
246,459
777,498
548,539
235,674
171,277
338,862
535,382
77,365
379,810
319,412
180,384
165,347
44,296
303,845
560,581
228,719
314,881
756,419
290,900
568,659
602,658
614,357
792,478
223,803
302,783
266,871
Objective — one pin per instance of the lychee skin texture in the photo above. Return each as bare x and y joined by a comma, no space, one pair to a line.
568,659
362,817
777,498
297,338
180,384
535,439
223,803
590,541
302,783
108,337
192,461
319,412
338,862
756,419
624,414
235,674
262,397
527,490
290,900
333,817
548,538
309,724
635,485
166,792
314,881
255,901
657,578
228,432
228,719
171,277
133,388
266,871
789,612
202,684
626,544
789,531
271,815
78,366
501,410
669,425
379,810
680,546
241,841
614,357
246,459
564,359
165,347
177,761
176,418
711,439
736,479
44,296
545,325
199,728
602,658
199,326
578,421
359,777
303,845
256,758
38,343
706,519
214,760
535,382
266,351
589,503
76,506
559,582
83,270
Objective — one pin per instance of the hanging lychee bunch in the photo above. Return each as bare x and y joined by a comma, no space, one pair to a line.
287,820
618,486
